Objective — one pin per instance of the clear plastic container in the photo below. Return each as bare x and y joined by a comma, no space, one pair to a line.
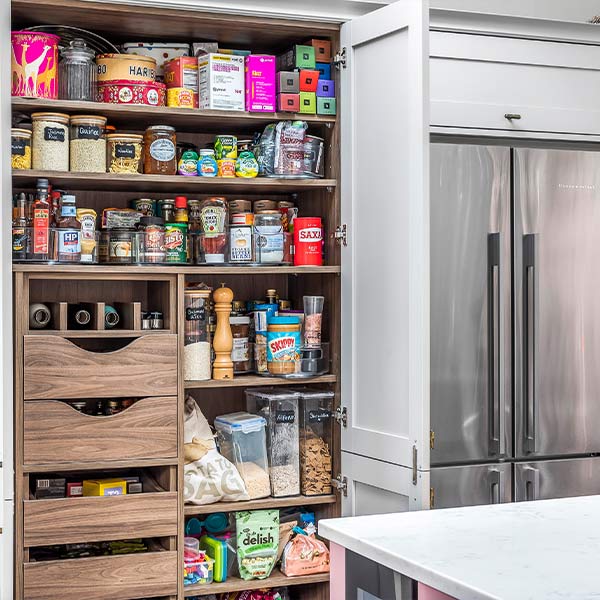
242,440
198,572
77,72
210,248
196,349
279,407
124,153
50,143
22,250
316,438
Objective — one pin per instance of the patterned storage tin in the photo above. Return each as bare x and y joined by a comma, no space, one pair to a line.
132,92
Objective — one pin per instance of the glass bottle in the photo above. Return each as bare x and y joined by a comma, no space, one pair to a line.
77,72
69,231
42,211
20,235
181,211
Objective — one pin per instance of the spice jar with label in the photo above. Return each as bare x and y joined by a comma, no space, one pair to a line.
88,145
50,146
20,148
240,354
196,350
124,153
160,145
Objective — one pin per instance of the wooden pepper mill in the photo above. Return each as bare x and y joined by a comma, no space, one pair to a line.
223,340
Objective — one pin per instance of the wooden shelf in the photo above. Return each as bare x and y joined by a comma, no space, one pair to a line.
234,584
168,183
262,503
255,381
131,116
93,333
107,465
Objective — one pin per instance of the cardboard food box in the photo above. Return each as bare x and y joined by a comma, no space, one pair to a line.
308,103
309,80
74,489
288,102
324,70
182,72
104,487
288,82
322,49
326,88
261,93
50,487
326,106
299,57
221,82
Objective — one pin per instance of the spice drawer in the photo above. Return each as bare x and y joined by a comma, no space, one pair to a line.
54,432
122,577
94,519
55,367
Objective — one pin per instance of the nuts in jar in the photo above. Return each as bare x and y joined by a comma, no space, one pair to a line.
50,146
160,146
124,153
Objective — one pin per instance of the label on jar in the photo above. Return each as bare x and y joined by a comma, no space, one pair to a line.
240,351
54,134
162,150
154,242
285,416
283,346
17,147
268,241
119,248
319,415
41,221
124,150
240,239
196,314
69,242
88,132
213,219
19,239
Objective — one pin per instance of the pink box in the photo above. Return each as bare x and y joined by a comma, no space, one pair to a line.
260,83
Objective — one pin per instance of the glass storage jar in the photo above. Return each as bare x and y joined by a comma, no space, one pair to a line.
20,148
124,153
240,354
268,237
152,232
280,410
50,144
242,440
196,349
88,144
160,155
77,72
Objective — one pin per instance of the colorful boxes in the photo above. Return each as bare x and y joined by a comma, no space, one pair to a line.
182,72
50,488
324,70
288,82
326,88
326,106
221,82
288,102
308,103
299,57
309,80
104,487
260,83
322,49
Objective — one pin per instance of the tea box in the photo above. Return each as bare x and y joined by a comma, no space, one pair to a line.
308,102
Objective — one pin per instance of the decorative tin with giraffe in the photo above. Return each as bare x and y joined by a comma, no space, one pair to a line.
34,64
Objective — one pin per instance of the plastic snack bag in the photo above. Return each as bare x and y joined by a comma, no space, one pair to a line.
257,542
304,555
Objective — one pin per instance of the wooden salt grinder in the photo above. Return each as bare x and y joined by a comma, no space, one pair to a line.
223,340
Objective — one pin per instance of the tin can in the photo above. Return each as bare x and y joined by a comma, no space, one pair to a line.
130,67
176,242
146,206
240,206
226,167
226,147
308,241
181,97
242,219
132,92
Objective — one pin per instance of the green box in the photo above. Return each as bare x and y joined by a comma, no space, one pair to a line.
326,106
308,103
299,57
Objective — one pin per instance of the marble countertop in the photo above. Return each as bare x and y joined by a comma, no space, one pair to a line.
543,550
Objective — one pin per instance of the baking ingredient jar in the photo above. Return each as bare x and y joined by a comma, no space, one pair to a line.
153,231
308,241
240,354
124,153
160,150
50,145
207,164
77,72
283,345
20,148
268,237
88,144
196,350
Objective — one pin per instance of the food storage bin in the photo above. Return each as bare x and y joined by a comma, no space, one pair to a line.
242,440
88,144
50,145
316,436
198,572
280,410
196,349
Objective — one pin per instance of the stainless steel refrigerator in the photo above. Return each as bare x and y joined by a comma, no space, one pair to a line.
515,323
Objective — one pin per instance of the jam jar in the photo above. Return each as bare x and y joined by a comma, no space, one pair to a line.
160,156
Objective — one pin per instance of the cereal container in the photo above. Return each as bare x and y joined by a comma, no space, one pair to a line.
242,440
316,436
34,64
280,410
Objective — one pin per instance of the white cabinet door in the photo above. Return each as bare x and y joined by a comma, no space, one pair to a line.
385,266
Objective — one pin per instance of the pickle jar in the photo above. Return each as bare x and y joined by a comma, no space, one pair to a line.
20,148
160,150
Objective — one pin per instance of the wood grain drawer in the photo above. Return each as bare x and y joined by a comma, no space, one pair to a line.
94,519
55,367
103,577
54,432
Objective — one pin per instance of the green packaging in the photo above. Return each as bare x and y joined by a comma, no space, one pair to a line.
225,147
257,542
299,57
326,106
308,102
176,242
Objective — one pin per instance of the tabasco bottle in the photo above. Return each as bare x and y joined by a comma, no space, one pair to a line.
68,231
42,211
20,233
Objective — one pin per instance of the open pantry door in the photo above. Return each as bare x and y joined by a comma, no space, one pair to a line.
385,264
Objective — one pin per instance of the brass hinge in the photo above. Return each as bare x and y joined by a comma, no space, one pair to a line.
341,235
431,439
431,497
414,469
341,416
340,483
339,60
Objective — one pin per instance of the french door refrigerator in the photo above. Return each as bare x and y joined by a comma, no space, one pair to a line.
515,323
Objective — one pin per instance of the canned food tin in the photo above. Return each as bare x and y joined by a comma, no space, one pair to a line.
146,206
240,244
226,146
126,66
226,167
132,92
181,97
308,241
176,242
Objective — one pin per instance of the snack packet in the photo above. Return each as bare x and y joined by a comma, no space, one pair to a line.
305,555
257,542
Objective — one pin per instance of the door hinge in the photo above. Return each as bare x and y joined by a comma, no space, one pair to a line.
340,483
339,60
431,439
414,469
341,416
341,235
431,497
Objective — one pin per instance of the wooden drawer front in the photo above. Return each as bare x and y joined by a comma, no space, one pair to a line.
54,432
54,367
477,80
74,520
103,577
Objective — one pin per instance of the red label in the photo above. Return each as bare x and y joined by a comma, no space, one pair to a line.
41,220
308,241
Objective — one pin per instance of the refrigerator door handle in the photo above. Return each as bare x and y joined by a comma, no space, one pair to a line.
496,479
495,347
530,299
532,483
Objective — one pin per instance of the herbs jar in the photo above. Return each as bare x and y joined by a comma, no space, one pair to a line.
50,146
88,144
160,157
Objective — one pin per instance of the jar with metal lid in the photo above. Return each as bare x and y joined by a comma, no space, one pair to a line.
283,345
77,72
50,145
197,347
120,245
166,209
153,244
238,308
88,144
194,223
20,148
260,205
124,152
160,145
268,237
240,206
240,353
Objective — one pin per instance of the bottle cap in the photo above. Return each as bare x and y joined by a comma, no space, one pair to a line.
180,202
68,199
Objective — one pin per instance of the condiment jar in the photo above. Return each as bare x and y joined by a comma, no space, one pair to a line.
240,354
283,345
20,148
88,144
246,165
77,72
160,150
50,145
153,231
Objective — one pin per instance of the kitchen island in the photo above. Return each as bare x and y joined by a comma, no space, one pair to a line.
540,550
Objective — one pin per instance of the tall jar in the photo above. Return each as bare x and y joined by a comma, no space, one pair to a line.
77,72
268,237
196,350
50,145
20,148
88,144
160,155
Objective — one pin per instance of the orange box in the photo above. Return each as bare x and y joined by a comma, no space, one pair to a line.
309,80
182,72
322,49
288,102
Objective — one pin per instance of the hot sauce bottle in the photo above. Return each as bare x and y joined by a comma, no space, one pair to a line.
42,211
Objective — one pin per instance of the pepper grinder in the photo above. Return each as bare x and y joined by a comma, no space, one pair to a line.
223,340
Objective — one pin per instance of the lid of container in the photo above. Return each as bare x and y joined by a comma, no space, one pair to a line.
283,321
160,128
181,202
83,119
239,320
312,393
50,116
273,393
207,152
148,220
131,137
77,48
240,421
140,57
